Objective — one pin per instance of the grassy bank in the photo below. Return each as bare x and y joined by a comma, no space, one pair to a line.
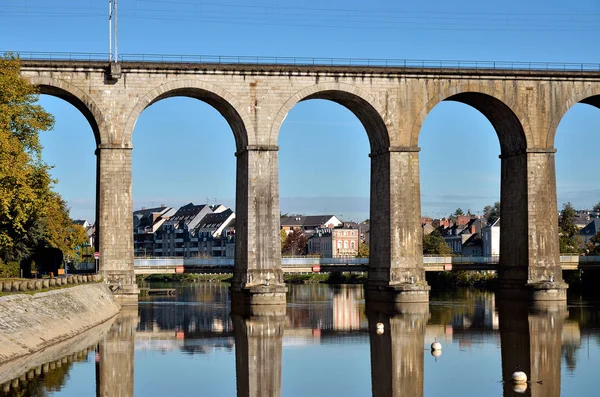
309,278
463,278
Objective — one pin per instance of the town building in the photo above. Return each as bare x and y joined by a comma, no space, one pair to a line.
491,239
339,242
171,237
145,224
213,236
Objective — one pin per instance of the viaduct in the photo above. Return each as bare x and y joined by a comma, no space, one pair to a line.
524,106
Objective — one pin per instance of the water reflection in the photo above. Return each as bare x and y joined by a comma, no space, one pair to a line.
258,345
114,364
197,327
531,337
396,336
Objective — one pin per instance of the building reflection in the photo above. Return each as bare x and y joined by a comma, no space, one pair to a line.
258,345
115,356
397,358
530,337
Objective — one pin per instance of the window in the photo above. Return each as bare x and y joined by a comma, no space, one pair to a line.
352,245
339,244
345,245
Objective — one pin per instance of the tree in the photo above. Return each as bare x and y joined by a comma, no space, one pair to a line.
596,207
458,212
363,250
593,246
434,244
24,178
568,231
295,243
492,212
283,237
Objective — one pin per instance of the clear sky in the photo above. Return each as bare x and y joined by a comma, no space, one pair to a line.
183,149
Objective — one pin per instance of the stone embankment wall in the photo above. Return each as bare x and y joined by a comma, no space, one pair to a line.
39,284
29,323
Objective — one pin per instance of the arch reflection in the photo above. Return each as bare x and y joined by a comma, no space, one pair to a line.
396,336
530,337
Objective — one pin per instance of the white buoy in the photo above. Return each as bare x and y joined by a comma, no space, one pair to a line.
436,353
436,345
519,377
520,388
379,328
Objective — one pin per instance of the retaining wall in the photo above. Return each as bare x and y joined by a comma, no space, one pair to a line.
29,323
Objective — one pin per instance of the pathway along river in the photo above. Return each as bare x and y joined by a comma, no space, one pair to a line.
327,344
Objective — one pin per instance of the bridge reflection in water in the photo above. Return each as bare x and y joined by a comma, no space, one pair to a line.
531,336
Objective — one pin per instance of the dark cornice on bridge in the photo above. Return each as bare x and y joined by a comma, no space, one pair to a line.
342,70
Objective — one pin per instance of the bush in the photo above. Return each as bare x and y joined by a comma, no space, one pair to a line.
10,269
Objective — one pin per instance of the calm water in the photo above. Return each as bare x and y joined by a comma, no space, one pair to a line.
328,344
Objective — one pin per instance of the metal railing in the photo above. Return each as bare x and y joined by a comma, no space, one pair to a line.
306,261
314,61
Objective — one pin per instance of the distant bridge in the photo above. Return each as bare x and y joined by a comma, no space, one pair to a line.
326,265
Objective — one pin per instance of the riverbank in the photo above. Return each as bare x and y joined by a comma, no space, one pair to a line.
30,323
443,279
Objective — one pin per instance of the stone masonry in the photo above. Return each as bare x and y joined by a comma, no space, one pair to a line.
525,108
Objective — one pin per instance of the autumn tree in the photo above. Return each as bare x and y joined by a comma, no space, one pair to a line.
568,231
295,243
596,207
24,178
434,244
593,246
363,250
32,216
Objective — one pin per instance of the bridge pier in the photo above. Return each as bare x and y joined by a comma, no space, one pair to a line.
257,275
114,228
396,271
529,265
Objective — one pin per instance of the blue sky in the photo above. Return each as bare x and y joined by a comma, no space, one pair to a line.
183,149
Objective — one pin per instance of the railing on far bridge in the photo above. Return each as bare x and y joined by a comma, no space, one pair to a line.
300,264
311,61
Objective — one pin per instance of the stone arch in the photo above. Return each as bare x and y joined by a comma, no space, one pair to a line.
363,105
224,102
512,135
590,96
76,97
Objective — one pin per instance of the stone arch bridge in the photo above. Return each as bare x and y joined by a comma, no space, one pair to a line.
524,106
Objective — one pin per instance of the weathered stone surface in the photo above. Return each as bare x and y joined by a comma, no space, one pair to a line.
31,323
525,107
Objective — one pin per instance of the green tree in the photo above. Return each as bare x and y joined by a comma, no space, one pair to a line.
492,212
295,243
568,231
363,250
596,207
434,244
458,212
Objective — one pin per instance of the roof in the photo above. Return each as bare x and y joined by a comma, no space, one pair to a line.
592,228
306,221
473,240
188,211
214,220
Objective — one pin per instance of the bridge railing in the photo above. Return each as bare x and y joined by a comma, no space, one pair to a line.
316,61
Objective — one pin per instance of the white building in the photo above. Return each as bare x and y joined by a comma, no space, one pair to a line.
491,239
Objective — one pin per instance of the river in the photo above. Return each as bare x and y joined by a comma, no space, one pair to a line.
326,343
